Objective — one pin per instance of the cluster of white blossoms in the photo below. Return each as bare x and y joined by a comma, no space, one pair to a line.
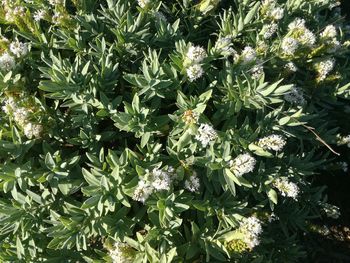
7,62
291,67
39,15
329,37
192,184
56,2
12,10
271,10
195,55
286,188
269,30
295,96
248,55
272,142
324,68
331,211
121,253
251,229
298,35
342,140
21,116
19,49
157,180
257,71
242,164
289,45
206,134
143,3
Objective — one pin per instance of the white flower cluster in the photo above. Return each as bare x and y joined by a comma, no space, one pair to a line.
7,62
291,67
192,184
195,55
272,142
143,3
324,68
251,229
242,164
295,96
269,30
248,55
19,49
39,15
331,211
56,2
289,45
287,188
21,117
157,180
13,12
272,11
342,140
206,134
257,71
121,253
298,35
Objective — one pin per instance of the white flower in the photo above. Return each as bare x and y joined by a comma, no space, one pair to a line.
39,15
248,55
295,96
325,67
251,229
291,67
194,72
329,32
196,54
56,2
32,130
20,116
121,253
143,3
161,180
206,134
344,140
297,24
289,45
142,191
272,142
7,62
242,164
287,188
192,184
19,49
257,71
276,13
331,211
269,30
10,105
307,38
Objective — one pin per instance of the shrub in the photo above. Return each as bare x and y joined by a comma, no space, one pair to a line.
168,131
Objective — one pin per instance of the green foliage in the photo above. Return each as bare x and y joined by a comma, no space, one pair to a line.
151,131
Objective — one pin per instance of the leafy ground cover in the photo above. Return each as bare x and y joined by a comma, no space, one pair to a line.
174,131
